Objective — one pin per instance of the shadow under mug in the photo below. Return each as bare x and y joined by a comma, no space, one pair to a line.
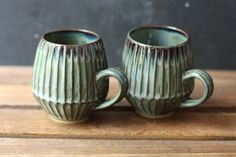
157,61
70,75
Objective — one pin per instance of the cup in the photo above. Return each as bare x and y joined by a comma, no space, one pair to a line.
70,75
157,61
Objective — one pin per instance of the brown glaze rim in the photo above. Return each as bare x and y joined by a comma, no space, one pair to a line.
159,27
98,38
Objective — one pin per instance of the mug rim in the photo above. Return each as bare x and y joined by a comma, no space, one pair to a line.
168,27
85,31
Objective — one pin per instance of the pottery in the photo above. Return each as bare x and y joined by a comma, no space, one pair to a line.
157,61
70,75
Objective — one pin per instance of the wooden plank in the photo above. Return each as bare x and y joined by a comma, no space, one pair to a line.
120,125
223,97
15,74
22,117
124,148
16,94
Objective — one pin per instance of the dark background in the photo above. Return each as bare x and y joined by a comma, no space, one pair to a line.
210,23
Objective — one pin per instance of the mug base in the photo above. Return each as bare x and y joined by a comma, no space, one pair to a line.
68,121
156,116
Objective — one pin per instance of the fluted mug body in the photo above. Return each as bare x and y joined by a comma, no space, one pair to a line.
64,74
154,59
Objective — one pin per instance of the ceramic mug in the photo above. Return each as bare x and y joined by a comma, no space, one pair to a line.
70,75
157,61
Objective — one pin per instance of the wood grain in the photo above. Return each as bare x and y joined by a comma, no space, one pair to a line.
27,130
124,148
15,74
120,125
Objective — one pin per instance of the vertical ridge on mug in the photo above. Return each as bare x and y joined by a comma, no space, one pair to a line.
62,74
154,76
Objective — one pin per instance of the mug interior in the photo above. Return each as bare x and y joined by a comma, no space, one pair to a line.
71,37
159,36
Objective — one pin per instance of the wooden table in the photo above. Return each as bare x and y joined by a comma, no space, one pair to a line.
207,130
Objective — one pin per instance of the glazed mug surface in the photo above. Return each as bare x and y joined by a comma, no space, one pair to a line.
157,61
70,75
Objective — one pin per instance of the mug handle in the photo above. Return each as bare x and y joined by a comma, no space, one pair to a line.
206,80
123,86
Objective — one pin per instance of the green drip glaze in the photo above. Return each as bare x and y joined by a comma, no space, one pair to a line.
70,81
160,71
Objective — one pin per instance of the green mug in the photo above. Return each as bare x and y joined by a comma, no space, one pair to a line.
157,61
70,75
